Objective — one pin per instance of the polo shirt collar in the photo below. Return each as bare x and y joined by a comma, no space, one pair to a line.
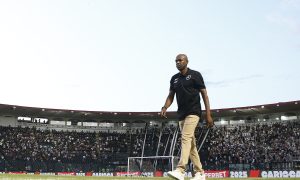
187,72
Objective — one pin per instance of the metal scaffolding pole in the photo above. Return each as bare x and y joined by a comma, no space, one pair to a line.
175,141
143,149
158,145
203,140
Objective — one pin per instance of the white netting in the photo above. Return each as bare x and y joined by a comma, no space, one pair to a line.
152,163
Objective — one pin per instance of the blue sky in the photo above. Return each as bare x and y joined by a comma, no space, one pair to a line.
118,55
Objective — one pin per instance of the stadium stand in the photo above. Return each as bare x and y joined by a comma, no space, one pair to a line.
269,144
257,146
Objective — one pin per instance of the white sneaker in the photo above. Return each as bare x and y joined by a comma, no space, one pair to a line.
199,176
176,175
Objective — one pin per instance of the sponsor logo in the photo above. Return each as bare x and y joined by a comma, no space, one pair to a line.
209,174
175,80
66,173
186,174
80,174
16,172
216,174
147,174
280,174
103,174
128,174
47,173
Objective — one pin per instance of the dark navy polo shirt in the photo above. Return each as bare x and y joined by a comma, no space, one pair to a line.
187,89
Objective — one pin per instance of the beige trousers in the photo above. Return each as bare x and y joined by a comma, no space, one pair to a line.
188,144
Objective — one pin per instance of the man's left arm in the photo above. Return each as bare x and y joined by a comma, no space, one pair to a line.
205,98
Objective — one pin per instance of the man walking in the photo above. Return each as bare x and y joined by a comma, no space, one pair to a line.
188,85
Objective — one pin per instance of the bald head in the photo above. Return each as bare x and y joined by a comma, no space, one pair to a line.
181,62
182,56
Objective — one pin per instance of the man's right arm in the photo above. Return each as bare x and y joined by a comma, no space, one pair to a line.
168,103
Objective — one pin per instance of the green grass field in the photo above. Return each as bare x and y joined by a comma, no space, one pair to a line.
42,177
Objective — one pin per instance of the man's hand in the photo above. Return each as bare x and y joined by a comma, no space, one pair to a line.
163,112
210,121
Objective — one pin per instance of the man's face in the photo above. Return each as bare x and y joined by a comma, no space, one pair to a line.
181,62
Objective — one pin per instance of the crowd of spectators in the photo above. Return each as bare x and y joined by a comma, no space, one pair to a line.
258,145
252,144
58,147
244,144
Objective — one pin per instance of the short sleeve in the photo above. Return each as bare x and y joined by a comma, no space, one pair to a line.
172,84
199,82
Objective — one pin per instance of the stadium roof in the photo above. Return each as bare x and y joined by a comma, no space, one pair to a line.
292,107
